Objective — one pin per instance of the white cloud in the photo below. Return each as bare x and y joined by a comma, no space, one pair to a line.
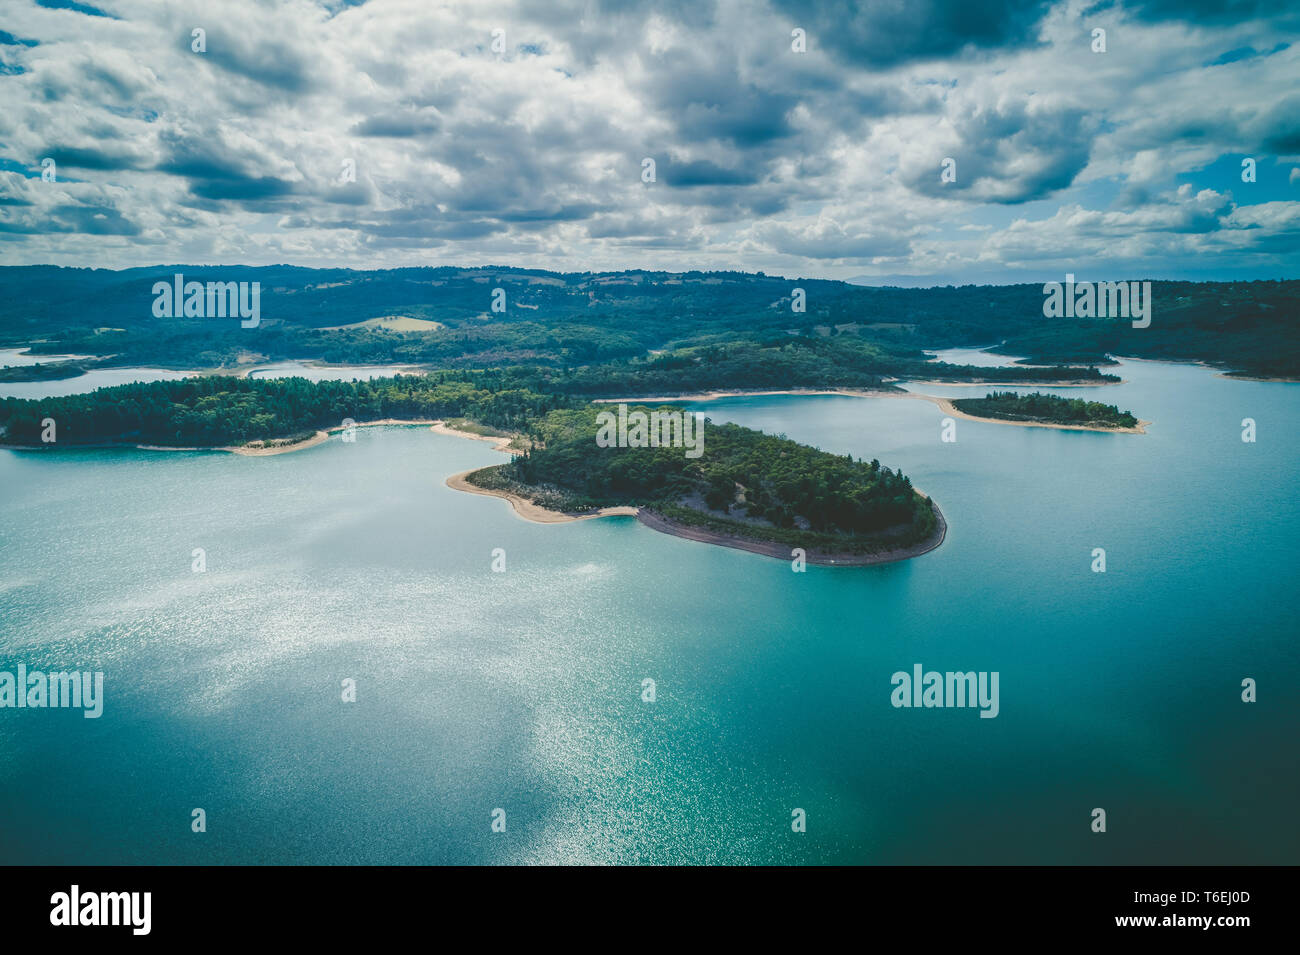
822,163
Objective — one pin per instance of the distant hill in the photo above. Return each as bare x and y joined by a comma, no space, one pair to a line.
567,320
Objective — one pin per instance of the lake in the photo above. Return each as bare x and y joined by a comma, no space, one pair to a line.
108,377
522,690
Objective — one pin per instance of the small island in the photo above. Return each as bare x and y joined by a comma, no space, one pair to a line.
47,371
751,491
1038,408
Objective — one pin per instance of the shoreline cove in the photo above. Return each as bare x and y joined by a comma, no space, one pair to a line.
656,521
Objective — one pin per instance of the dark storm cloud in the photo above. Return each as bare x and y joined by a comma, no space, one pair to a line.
875,36
703,173
275,63
562,213
1012,154
241,189
1280,127
1216,12
1245,53
707,101
87,220
216,173
397,125
115,156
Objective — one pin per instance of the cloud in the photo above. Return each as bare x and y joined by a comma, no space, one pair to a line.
74,7
881,35
369,134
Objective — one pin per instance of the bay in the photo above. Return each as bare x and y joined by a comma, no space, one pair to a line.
522,690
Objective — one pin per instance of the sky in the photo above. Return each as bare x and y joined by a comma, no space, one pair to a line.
795,138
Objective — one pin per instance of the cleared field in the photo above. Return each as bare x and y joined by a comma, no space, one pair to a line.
397,323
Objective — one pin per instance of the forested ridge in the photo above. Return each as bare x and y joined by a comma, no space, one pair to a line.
567,320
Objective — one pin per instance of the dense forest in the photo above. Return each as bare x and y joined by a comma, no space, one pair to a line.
1046,408
557,341
444,318
217,411
752,484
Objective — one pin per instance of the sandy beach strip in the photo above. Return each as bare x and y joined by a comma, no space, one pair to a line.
948,408
944,404
247,370
321,436
437,425
985,383
527,509
664,525
716,395
499,442
257,452
1279,381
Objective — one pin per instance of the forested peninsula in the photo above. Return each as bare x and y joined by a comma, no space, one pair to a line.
745,489
749,490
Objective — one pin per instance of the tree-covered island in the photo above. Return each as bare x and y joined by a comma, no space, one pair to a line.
747,489
1047,409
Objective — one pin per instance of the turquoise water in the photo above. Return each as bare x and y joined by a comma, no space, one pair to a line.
21,357
91,380
522,690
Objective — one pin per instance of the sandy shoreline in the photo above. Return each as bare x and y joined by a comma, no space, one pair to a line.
658,522
311,442
499,443
1280,381
321,436
985,383
537,514
944,404
948,408
527,509
247,371
1252,377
